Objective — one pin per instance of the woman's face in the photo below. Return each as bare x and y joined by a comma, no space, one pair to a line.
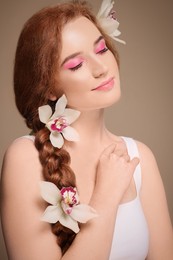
89,75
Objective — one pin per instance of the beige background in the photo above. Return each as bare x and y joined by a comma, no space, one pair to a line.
145,111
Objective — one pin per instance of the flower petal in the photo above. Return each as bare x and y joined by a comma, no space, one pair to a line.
60,107
70,134
107,20
109,25
56,139
71,115
117,39
105,8
82,213
50,192
44,113
68,222
52,214
116,33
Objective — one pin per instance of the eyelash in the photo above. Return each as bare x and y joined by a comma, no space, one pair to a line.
80,64
76,67
103,50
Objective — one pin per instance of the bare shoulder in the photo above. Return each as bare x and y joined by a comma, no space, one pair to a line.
147,159
21,148
151,178
20,156
144,150
21,170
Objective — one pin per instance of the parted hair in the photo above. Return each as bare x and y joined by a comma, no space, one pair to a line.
35,77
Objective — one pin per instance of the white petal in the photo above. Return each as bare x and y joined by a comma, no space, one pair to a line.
50,192
44,113
70,134
82,213
71,115
105,8
60,107
68,222
109,25
52,214
117,39
49,124
116,33
56,139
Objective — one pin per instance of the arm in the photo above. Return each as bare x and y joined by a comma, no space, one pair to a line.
27,237
155,208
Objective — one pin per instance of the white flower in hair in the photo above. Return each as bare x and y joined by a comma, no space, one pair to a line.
65,206
59,122
107,19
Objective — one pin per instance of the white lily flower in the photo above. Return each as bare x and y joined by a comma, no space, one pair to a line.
59,122
107,19
65,206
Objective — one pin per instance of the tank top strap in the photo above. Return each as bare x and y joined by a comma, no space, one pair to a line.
133,152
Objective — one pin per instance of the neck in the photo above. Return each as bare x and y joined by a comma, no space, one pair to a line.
91,128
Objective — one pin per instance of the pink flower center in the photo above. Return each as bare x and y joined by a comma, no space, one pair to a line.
112,14
59,124
69,199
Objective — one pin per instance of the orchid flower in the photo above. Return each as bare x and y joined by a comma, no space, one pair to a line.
59,122
107,19
65,206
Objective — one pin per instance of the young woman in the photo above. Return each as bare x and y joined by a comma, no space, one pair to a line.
64,58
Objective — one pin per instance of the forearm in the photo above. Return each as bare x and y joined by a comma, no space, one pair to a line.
95,237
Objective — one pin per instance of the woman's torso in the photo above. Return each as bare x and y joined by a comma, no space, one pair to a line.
130,239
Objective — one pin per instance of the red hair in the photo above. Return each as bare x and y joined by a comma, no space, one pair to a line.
36,64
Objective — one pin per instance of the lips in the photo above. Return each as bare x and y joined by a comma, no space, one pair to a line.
106,85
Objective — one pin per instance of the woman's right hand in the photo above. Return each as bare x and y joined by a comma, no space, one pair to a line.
114,173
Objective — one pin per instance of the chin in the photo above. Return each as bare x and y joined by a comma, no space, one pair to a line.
108,101
111,99
112,102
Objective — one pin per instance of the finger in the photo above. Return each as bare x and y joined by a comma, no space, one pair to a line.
134,162
121,152
109,149
126,157
121,149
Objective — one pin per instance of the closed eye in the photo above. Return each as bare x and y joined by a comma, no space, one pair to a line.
102,50
76,67
101,47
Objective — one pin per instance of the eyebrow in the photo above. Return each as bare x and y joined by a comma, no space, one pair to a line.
99,39
77,53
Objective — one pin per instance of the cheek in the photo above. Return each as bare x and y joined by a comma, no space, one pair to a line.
75,81
113,62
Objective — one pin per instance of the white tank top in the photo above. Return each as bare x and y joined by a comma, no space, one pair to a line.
130,240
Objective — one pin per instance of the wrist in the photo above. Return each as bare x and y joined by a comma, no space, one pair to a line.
104,204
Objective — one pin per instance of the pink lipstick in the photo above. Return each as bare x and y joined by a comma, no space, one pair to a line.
105,85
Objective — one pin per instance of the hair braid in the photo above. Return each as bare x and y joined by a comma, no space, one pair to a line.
56,169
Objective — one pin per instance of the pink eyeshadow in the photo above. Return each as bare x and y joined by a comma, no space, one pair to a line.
72,63
100,46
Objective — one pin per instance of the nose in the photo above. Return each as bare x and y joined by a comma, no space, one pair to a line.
98,68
